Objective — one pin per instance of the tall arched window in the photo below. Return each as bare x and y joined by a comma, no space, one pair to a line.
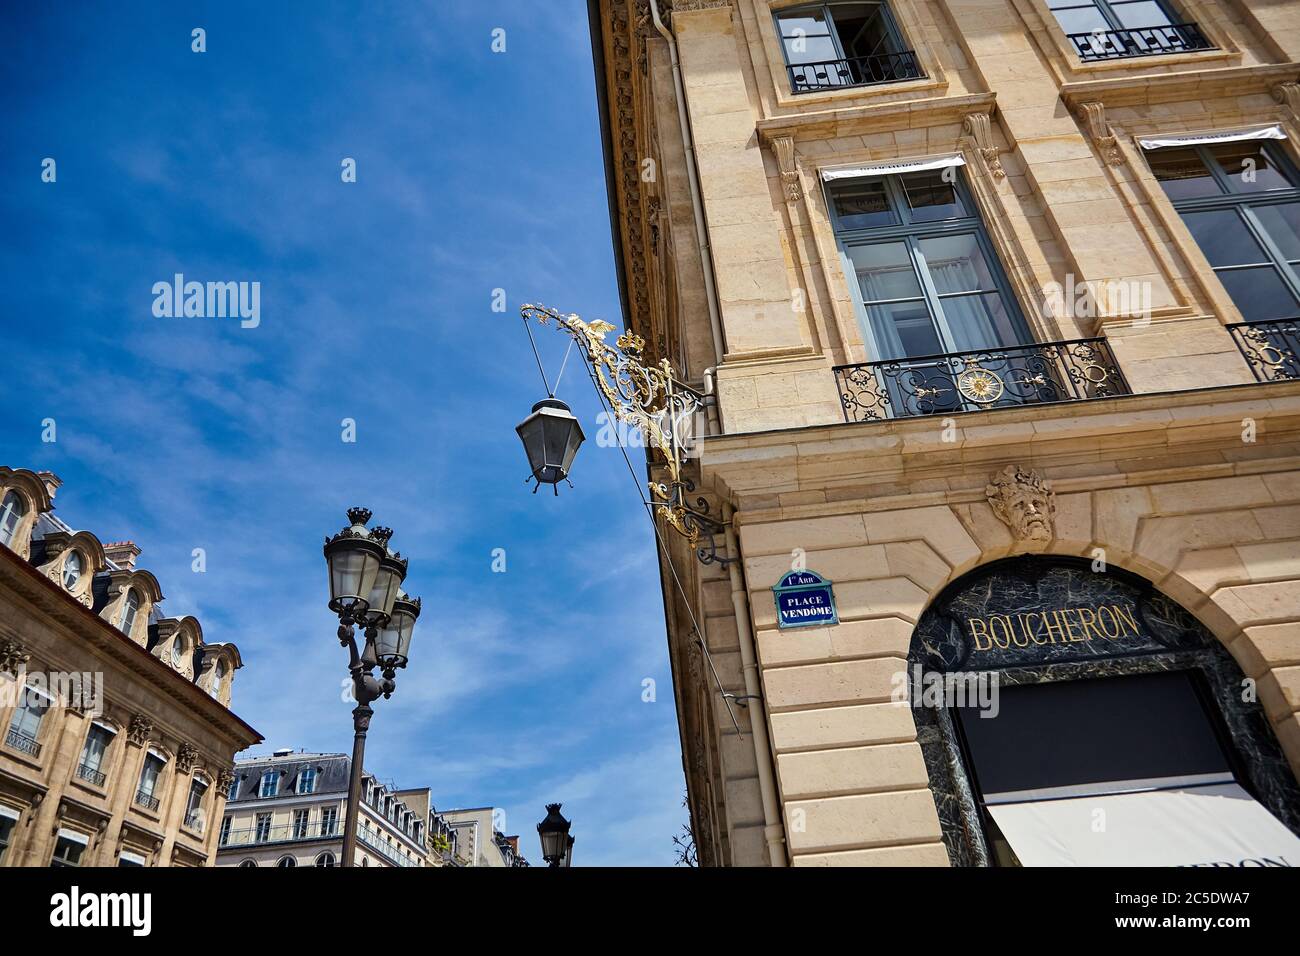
130,607
327,859
218,678
286,861
11,512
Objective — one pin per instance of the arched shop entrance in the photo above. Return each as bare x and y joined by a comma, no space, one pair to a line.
1119,731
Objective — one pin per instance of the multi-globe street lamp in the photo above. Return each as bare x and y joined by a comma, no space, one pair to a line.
366,589
557,845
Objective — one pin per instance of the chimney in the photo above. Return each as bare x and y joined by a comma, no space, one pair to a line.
122,553
52,482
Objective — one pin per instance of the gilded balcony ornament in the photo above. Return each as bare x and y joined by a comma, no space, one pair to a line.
651,399
980,385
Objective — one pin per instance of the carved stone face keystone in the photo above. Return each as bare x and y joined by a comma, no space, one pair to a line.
1024,501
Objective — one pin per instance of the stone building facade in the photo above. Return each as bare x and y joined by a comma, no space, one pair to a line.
288,810
996,302
118,734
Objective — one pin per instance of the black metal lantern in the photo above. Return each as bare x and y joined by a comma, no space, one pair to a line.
393,643
554,834
353,556
568,854
551,436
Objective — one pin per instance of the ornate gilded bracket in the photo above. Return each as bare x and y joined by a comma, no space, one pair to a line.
1094,118
650,398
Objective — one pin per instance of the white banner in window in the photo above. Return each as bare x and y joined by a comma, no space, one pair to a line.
74,836
891,167
9,812
1209,139
1219,825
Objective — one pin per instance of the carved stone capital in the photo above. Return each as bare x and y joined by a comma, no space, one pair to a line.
783,150
1288,95
12,656
225,780
186,757
1024,500
685,6
979,127
140,728
1093,116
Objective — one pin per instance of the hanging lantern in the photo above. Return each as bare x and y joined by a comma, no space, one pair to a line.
551,436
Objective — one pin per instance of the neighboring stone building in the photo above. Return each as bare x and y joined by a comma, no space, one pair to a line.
479,841
288,810
118,737
998,302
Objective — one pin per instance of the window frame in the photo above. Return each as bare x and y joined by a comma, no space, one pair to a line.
1107,12
8,823
109,736
272,776
301,824
1243,204
58,861
910,232
18,512
261,832
897,38
306,783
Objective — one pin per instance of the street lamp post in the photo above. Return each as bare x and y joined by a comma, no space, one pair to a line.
557,845
365,589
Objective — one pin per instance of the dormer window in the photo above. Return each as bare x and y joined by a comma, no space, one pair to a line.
178,653
834,45
72,568
218,678
12,511
270,783
307,780
130,608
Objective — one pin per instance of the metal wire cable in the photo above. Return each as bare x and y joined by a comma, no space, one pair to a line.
663,548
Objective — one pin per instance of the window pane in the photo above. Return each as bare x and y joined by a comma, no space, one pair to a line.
979,322
1260,294
805,23
957,264
885,271
1224,238
810,49
1282,222
931,198
1081,20
1182,174
904,329
863,205
1140,13
1250,168
862,29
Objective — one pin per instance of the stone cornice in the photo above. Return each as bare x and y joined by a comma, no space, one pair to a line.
894,454
1173,87
877,117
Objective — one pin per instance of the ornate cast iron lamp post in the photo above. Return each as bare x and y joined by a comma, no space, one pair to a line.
557,845
365,589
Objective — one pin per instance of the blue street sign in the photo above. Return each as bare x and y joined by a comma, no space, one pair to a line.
805,599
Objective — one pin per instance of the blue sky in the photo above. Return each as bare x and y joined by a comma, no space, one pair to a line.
475,171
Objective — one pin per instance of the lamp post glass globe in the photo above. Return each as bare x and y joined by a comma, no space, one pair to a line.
383,593
353,558
551,437
393,643
554,835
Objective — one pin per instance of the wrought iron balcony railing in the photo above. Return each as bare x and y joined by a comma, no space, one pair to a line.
1271,349
20,741
284,833
375,840
146,800
91,775
854,71
1146,41
973,381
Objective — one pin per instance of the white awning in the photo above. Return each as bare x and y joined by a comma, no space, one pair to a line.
1208,139
9,812
74,836
1219,825
891,167
130,857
